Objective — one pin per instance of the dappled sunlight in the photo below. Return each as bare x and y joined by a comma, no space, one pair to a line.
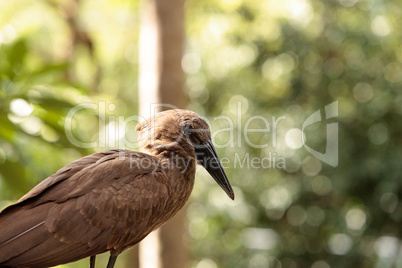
8,34
355,219
20,107
340,244
380,26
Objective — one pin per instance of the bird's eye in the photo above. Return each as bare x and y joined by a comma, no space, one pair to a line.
190,134
187,129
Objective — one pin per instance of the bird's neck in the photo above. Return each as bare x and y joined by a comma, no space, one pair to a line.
179,164
175,156
169,148
181,175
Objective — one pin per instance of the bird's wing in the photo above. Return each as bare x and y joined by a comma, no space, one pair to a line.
66,172
108,204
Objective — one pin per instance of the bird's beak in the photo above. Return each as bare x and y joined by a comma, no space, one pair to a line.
208,157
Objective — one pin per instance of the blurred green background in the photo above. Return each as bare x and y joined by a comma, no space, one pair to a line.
270,58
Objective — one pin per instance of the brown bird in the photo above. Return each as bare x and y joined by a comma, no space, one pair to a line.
110,201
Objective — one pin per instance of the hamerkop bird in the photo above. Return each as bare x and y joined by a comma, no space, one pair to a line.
110,201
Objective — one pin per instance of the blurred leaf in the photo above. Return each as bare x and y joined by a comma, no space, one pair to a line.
7,129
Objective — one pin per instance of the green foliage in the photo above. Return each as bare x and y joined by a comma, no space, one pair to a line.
42,81
290,59
31,117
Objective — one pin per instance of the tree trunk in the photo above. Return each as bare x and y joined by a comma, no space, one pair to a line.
161,87
161,79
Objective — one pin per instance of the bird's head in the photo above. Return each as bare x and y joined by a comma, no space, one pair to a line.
187,131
